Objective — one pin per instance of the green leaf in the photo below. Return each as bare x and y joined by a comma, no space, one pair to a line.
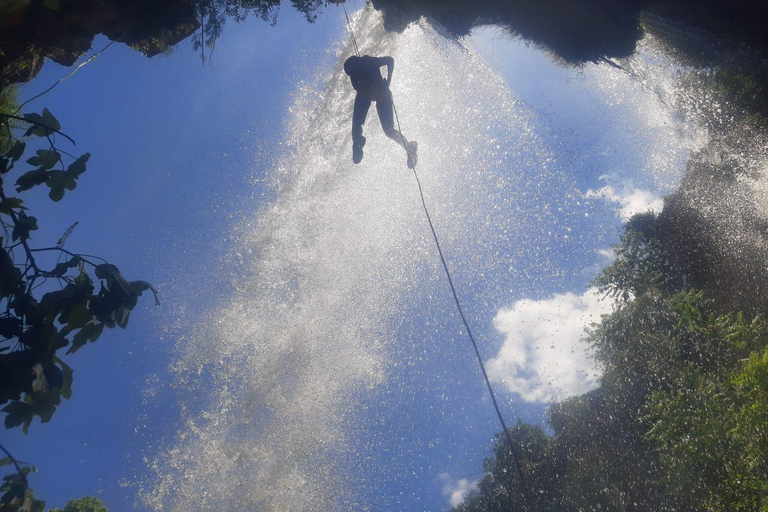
10,327
83,279
141,286
39,383
9,203
22,228
47,406
77,167
10,276
45,158
122,316
107,271
17,150
51,4
90,332
68,376
61,302
63,239
29,179
17,413
58,181
38,506
61,269
78,316
50,120
39,127
5,461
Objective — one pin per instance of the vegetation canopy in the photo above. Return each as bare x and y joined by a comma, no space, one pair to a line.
684,396
52,301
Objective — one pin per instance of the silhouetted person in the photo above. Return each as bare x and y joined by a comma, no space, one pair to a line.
365,74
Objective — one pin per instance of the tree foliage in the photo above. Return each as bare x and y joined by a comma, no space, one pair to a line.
679,420
213,15
17,496
84,504
49,299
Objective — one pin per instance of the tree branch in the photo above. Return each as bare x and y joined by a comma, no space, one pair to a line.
74,255
15,463
9,116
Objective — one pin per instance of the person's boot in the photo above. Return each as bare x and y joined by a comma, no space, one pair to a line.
357,149
413,158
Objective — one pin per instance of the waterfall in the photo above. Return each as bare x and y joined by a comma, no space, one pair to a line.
339,304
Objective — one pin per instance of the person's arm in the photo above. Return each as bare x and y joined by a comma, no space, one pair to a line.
390,63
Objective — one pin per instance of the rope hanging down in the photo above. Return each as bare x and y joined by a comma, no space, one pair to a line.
512,450
515,456
351,32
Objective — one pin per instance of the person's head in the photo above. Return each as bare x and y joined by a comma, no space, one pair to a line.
350,64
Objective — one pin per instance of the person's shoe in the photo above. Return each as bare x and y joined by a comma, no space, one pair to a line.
413,158
357,150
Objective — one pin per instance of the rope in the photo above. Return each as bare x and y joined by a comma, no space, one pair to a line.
512,450
90,59
351,32
515,456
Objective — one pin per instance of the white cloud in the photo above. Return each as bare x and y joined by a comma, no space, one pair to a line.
456,490
542,358
630,200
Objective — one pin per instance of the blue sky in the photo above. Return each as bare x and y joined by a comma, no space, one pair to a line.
169,141
334,263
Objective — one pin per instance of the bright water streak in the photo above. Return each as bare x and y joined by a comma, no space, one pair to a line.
277,383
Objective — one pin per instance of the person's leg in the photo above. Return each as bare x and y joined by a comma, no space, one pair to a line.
385,108
359,114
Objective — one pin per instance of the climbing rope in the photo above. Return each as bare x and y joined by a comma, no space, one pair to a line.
515,456
512,450
351,32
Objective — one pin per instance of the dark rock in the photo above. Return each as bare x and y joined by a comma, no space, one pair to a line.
33,30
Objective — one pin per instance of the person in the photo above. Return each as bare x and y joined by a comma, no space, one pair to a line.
365,74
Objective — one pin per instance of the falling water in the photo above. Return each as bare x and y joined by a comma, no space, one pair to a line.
339,347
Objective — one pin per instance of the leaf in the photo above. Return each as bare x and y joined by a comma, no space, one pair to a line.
40,127
9,203
17,150
77,167
83,279
78,316
58,181
107,271
60,302
140,286
51,4
122,316
10,276
5,461
23,226
17,413
45,158
39,383
38,506
29,179
68,376
61,269
90,332
66,234
10,327
50,120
